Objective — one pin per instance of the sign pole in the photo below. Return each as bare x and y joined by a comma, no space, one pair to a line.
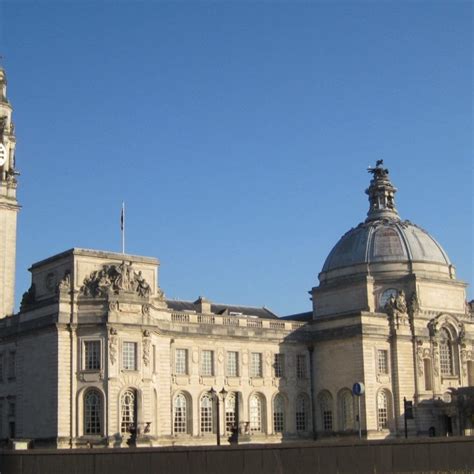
358,419
358,389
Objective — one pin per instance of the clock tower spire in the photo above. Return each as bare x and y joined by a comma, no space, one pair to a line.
8,204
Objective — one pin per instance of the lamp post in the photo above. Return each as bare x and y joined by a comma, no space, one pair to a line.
218,395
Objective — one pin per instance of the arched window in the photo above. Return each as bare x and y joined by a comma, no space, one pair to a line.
446,352
301,413
207,425
230,412
180,414
256,413
346,410
92,413
325,407
278,414
382,410
128,410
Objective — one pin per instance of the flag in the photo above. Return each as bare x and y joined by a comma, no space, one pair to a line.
122,217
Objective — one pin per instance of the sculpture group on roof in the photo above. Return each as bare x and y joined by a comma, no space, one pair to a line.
115,278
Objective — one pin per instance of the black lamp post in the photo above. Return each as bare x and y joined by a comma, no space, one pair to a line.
223,394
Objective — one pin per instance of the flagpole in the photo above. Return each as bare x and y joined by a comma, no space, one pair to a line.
122,221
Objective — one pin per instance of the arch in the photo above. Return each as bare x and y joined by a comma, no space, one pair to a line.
93,412
80,404
346,415
279,405
257,412
128,410
302,412
206,413
231,411
182,416
384,409
446,350
325,403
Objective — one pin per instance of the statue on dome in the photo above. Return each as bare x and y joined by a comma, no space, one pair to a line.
379,171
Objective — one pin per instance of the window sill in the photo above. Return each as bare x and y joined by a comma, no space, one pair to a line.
449,377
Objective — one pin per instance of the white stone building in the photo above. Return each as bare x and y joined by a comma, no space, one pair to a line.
98,355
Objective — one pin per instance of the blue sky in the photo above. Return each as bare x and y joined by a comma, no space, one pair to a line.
238,133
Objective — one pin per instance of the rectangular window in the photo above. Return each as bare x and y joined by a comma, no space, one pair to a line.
207,363
279,365
232,364
11,409
1,367
129,356
91,355
181,361
301,366
382,361
256,365
11,365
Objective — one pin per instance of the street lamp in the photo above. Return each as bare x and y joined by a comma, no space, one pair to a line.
222,394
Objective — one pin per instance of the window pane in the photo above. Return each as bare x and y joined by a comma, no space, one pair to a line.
382,362
347,411
446,353
301,413
207,363
206,414
92,355
180,414
382,410
278,414
128,410
301,366
230,412
232,364
11,364
181,366
256,365
279,365
92,413
255,414
325,404
129,358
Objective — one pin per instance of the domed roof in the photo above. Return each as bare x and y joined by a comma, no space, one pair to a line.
385,241
383,237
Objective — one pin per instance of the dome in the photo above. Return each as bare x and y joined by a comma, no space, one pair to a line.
385,241
384,237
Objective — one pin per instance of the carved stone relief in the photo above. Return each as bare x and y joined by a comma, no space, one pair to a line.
113,345
112,279
65,283
146,347
419,356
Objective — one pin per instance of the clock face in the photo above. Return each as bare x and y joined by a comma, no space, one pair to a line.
386,295
3,154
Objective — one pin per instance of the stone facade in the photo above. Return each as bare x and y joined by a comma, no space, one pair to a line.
98,354
8,203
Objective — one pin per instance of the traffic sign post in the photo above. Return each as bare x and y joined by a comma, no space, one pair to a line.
358,389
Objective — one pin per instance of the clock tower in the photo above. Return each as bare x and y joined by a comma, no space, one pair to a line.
8,204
